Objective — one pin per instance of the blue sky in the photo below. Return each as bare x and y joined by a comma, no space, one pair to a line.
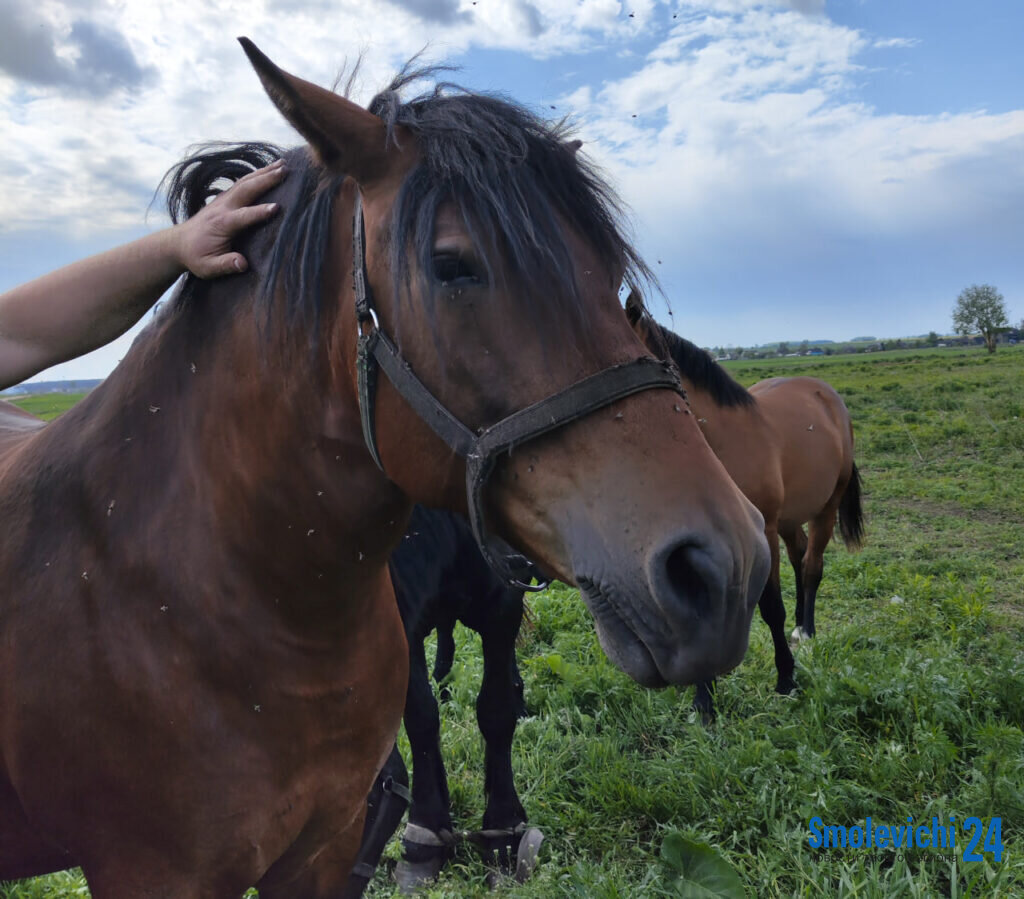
795,169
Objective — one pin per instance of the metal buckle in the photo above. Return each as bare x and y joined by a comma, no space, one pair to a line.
372,319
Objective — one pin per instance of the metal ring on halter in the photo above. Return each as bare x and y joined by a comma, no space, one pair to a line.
371,316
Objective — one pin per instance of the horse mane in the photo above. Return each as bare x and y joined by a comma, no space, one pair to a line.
297,245
198,178
694,363
515,176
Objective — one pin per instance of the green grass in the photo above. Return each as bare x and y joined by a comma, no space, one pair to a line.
47,405
911,698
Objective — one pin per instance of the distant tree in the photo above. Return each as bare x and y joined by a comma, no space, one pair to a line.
933,339
980,309
783,349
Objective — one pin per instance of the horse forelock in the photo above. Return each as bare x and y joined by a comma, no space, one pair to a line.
516,180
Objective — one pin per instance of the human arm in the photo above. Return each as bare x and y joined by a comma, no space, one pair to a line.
85,305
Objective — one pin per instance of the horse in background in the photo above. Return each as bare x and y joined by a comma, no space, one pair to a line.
202,664
788,445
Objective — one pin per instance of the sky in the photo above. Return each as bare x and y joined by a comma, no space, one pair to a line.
796,169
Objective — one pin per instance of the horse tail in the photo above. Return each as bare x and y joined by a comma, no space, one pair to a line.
851,512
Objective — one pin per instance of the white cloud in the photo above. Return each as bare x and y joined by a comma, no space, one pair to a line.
896,42
743,123
173,75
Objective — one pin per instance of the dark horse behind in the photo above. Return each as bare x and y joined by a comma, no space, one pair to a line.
440,578
202,666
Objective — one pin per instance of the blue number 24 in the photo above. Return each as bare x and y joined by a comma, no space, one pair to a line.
993,839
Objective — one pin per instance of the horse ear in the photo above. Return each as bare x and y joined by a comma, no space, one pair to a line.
574,146
634,308
345,137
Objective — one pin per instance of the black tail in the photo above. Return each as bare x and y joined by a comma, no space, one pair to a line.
851,513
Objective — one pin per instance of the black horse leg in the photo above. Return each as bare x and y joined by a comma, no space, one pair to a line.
426,844
774,614
385,806
819,534
796,546
704,701
498,707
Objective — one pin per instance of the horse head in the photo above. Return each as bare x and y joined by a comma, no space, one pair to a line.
487,259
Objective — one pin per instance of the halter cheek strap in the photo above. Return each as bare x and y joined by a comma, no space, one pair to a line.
481,450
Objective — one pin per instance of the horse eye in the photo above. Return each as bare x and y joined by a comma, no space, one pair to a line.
452,269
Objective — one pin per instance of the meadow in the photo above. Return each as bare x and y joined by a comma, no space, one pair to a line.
910,699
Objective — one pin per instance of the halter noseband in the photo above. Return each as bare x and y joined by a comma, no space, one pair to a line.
481,450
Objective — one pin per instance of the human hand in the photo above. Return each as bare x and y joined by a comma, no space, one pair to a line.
204,241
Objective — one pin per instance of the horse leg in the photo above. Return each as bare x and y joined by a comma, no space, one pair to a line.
326,877
796,546
23,851
704,701
427,841
498,706
385,806
818,537
135,870
774,614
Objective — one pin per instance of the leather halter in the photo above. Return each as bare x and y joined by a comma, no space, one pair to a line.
482,449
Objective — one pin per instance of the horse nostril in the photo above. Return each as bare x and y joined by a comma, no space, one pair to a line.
690,576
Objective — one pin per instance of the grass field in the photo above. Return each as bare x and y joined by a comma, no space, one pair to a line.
911,699
47,405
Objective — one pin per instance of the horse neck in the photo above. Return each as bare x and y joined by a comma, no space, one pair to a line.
248,442
720,423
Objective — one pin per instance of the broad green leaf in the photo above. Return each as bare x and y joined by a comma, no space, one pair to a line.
698,870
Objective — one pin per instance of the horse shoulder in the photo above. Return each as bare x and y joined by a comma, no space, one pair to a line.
809,419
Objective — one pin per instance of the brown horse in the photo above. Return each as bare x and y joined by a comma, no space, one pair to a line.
202,666
788,445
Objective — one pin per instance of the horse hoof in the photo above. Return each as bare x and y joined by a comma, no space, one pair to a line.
526,857
706,714
798,636
785,685
412,876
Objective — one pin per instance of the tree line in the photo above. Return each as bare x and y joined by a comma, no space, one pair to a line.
979,319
